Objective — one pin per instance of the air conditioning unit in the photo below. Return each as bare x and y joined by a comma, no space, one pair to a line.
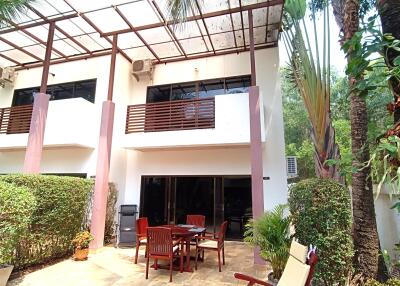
142,69
7,76
291,166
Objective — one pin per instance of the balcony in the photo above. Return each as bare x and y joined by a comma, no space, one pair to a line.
70,123
222,120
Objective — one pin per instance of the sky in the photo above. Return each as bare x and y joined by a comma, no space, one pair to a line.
337,56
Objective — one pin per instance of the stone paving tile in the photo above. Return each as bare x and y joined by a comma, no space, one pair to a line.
116,267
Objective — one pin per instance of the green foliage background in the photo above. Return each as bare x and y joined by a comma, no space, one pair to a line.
321,214
297,126
57,217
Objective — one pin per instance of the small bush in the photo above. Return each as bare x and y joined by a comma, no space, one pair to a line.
321,215
60,207
390,282
16,207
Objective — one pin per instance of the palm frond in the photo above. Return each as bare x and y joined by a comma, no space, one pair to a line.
11,9
179,10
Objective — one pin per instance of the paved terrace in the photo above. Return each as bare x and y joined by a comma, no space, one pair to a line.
111,266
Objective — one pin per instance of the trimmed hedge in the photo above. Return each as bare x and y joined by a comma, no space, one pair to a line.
17,205
321,215
61,203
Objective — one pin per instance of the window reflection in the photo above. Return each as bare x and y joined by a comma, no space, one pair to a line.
85,89
199,89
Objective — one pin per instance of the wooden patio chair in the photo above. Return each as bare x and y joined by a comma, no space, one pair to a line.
299,268
160,245
141,235
214,242
197,220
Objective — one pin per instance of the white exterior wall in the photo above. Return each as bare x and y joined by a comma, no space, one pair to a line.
127,165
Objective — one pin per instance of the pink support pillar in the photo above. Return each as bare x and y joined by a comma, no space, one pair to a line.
257,190
102,171
34,148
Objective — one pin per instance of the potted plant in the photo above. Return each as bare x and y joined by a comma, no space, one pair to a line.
81,245
271,233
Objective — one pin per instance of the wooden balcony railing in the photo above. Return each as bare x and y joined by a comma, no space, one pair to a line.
14,120
171,115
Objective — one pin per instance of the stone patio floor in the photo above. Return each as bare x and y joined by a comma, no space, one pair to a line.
112,266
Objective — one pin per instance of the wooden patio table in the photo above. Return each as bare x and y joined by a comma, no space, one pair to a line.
186,232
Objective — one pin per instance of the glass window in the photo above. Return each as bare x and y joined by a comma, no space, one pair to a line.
237,84
85,89
158,93
209,88
61,91
199,89
183,91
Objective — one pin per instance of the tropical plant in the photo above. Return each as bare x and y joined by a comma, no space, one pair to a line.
311,75
82,240
10,10
321,215
178,10
271,233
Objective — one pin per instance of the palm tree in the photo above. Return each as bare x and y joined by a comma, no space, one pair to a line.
389,11
10,9
311,75
367,262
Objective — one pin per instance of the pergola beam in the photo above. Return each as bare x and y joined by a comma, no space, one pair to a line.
198,17
166,25
205,25
20,49
97,29
36,24
136,33
59,29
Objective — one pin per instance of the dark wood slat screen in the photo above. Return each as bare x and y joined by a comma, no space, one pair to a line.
17,119
171,115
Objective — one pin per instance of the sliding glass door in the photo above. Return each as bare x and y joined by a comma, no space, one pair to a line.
168,199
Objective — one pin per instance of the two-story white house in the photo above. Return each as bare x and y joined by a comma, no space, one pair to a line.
183,119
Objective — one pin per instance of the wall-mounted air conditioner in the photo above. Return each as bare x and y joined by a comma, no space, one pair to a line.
7,76
142,69
291,166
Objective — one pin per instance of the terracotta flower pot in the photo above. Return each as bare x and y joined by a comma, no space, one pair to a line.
5,271
81,254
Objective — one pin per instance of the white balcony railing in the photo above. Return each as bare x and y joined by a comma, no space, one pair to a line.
70,122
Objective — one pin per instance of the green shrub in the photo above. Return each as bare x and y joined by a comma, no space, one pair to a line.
16,207
271,233
60,207
321,215
390,282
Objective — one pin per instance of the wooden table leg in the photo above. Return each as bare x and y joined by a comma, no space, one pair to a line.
188,255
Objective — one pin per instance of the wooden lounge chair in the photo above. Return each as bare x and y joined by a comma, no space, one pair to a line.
160,245
298,271
214,242
141,235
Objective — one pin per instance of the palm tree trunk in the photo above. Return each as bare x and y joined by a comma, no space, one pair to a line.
389,12
365,235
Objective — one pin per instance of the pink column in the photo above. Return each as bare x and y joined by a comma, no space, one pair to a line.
102,171
34,148
257,191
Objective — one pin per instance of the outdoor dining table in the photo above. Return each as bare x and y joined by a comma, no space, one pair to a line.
187,233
